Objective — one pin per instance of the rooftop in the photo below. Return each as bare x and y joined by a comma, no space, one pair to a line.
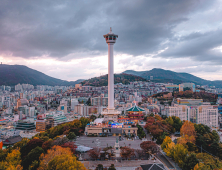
135,109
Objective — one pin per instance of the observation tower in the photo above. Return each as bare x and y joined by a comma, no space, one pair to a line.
110,113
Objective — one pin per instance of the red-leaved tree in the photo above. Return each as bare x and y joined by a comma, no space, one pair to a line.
126,152
149,147
94,153
70,145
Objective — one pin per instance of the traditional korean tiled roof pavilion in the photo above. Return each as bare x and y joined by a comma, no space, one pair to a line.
134,114
135,109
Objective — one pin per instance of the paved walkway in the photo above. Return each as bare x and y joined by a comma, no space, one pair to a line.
103,142
125,164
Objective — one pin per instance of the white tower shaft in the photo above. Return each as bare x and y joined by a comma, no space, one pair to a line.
110,77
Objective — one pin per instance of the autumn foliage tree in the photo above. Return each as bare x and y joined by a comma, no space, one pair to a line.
169,149
158,128
29,146
126,152
187,132
149,147
51,153
13,161
70,145
166,141
207,161
33,155
180,154
140,153
94,153
64,162
47,145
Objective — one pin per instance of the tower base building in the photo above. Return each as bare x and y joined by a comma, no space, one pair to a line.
111,114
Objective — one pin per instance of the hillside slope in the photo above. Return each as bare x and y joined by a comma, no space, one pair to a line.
161,75
13,74
118,78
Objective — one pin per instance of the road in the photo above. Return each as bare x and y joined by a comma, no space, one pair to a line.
161,157
147,134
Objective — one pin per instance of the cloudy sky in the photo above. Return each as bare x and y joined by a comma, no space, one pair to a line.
64,39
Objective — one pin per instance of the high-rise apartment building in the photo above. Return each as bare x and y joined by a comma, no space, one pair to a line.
196,112
99,101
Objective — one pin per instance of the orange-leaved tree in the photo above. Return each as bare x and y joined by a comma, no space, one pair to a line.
51,153
188,133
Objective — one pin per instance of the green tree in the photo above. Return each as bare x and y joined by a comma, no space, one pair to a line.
71,135
177,123
92,117
33,155
214,136
21,143
112,167
99,167
3,155
29,146
84,121
170,120
190,162
191,147
151,115
34,165
201,129
88,102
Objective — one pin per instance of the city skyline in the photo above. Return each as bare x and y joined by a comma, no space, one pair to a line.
182,36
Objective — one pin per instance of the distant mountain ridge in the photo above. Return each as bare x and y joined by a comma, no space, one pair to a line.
118,78
161,75
11,75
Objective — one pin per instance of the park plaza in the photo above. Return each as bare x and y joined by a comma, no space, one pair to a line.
125,125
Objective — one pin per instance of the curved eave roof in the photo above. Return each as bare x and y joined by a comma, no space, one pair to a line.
135,109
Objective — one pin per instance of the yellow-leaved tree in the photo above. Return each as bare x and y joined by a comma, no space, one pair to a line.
65,162
207,162
169,149
165,142
14,158
179,154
